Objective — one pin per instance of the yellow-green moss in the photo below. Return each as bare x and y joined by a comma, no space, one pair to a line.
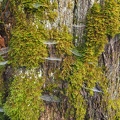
23,102
27,49
111,14
95,33
26,46
2,89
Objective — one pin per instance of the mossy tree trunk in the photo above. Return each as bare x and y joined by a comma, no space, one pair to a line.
71,13
109,60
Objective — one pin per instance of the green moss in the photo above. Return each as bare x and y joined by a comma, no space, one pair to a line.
111,14
102,22
1,92
27,49
95,33
24,100
85,70
29,33
2,89
65,42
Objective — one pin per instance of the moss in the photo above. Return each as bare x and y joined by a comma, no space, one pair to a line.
70,5
102,23
2,89
27,49
24,100
95,33
1,92
85,69
111,15
29,33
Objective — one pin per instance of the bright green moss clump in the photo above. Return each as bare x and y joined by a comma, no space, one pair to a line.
111,14
27,48
29,33
23,102
95,33
2,87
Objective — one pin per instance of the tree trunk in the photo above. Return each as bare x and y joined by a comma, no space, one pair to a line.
73,15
